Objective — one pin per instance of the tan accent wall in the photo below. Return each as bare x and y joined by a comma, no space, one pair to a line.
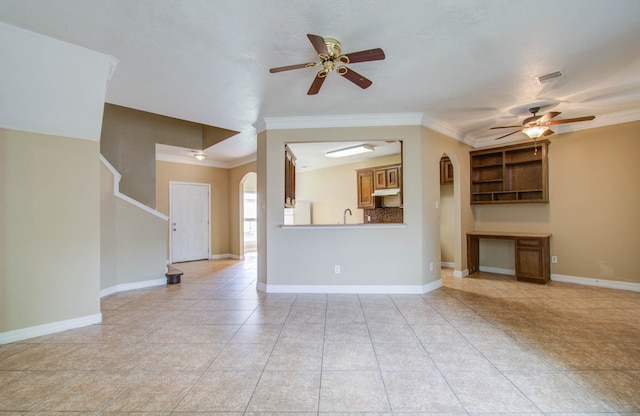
129,140
332,190
218,178
594,178
49,229
236,175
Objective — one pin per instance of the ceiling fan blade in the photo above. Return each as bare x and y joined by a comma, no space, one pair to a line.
549,116
318,44
571,120
547,132
376,54
502,137
317,83
354,77
290,67
505,127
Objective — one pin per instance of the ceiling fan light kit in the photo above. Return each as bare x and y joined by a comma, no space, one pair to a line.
538,126
329,53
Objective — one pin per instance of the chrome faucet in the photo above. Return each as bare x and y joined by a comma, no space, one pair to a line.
344,216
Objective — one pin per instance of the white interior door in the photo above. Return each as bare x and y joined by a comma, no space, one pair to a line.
189,212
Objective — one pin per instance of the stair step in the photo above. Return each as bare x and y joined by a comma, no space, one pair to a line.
173,275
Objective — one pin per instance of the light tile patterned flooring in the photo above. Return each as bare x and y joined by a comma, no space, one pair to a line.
212,345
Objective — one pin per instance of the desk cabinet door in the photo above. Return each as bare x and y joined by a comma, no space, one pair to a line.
531,261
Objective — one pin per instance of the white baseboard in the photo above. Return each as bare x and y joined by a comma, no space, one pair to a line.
123,287
352,289
448,265
461,273
50,328
224,256
430,287
588,281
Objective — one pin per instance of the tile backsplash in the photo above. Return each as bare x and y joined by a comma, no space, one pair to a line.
385,215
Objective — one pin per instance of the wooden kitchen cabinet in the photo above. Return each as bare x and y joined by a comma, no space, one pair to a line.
378,178
386,177
365,189
289,178
446,171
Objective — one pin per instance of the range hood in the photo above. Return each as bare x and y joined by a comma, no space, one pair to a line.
386,192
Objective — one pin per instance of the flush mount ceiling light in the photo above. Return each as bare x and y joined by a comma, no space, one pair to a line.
348,151
200,156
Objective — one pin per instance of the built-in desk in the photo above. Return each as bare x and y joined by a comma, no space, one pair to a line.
532,254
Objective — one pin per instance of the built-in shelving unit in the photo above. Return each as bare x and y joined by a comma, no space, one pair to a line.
510,174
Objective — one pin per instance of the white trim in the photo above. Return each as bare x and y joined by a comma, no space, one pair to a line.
448,265
351,289
224,256
350,120
343,226
123,287
589,281
189,160
171,183
116,191
461,273
50,328
442,127
498,270
430,287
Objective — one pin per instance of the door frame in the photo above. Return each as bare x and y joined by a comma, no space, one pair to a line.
171,183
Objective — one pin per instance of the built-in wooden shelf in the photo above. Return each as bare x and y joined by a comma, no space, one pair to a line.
510,174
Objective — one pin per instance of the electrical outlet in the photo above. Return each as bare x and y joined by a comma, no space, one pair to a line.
336,269
554,259
431,266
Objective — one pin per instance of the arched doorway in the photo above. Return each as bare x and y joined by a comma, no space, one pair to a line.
248,215
450,214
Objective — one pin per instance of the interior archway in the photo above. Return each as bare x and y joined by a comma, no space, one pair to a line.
248,215
450,215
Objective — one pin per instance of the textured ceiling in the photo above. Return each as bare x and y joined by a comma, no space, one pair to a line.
467,65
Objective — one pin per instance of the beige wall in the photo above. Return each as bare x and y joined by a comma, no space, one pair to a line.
49,229
332,190
133,241
236,175
217,178
593,208
435,145
368,256
447,223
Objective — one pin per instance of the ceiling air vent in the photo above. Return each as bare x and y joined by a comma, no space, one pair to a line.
548,77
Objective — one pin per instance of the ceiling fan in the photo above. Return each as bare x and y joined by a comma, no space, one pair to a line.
538,126
330,58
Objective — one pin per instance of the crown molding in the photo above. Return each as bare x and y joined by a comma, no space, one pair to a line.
350,120
441,127
189,160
